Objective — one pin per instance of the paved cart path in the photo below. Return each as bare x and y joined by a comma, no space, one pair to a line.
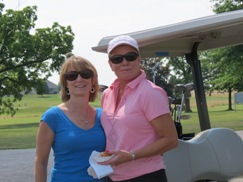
18,165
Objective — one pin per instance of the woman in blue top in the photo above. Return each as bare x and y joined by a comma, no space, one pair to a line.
72,129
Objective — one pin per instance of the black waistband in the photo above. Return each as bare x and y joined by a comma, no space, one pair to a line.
157,176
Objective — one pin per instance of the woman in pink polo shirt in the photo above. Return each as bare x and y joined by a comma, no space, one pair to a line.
136,118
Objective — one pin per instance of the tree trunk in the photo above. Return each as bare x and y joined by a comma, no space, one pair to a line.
187,101
230,99
187,105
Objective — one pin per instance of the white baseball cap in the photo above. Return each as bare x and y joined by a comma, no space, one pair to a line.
122,40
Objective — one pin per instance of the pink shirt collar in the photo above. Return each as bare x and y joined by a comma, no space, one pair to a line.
131,84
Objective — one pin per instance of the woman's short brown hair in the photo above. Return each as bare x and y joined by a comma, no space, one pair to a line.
78,63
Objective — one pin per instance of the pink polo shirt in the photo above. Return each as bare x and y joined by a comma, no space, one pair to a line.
128,127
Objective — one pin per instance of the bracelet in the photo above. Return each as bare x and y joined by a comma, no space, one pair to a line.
133,155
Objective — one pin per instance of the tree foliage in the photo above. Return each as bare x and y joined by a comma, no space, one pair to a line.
221,6
181,69
42,88
28,55
227,62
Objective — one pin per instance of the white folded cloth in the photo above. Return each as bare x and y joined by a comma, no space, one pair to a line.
96,170
91,172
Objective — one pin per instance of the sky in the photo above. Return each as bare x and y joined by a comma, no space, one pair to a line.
91,20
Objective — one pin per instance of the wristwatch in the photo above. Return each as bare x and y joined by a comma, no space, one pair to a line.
133,155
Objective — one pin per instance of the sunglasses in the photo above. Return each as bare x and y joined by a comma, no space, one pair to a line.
73,75
118,58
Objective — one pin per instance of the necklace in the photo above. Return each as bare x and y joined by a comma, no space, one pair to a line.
82,120
86,120
86,123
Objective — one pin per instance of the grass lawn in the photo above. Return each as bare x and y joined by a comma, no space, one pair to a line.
19,131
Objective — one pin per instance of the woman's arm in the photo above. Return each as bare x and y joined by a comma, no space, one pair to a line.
165,128
44,141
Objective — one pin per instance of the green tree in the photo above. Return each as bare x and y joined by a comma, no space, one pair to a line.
181,69
209,70
227,62
221,6
28,55
42,88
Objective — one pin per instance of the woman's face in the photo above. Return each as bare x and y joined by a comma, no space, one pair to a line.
80,82
125,71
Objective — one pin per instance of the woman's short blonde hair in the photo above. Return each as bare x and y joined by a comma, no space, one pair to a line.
77,63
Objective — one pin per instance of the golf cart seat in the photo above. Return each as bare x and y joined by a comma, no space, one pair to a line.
215,154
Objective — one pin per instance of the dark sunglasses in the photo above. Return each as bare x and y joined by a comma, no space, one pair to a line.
118,58
73,75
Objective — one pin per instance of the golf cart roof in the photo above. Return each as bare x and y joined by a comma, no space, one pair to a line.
214,31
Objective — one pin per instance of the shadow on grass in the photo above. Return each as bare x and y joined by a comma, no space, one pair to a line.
44,96
13,126
218,111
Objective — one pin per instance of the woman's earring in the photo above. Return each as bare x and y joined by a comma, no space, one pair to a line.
92,90
67,91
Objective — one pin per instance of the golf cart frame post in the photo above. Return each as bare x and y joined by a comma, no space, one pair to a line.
192,59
